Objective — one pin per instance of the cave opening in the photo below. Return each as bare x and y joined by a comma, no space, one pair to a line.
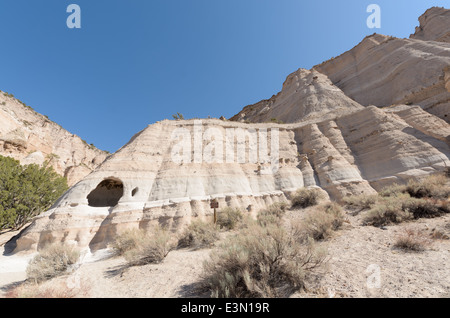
106,194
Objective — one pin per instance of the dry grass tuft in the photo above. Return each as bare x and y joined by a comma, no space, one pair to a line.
272,215
229,218
141,248
321,223
363,201
412,240
304,198
390,210
51,262
426,198
434,186
127,241
55,290
426,208
199,234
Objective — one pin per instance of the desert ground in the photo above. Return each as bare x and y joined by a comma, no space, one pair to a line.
362,262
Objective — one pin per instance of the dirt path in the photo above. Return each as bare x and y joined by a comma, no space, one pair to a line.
175,277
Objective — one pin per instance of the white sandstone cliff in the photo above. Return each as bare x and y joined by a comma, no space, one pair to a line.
30,137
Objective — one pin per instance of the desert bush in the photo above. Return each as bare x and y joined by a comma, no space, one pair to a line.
322,222
178,116
151,247
51,261
273,214
304,198
412,240
278,208
389,210
229,218
261,262
402,207
127,241
26,191
426,208
363,201
267,217
434,186
199,234
393,190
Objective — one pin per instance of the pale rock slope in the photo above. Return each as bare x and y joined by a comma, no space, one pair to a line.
306,95
350,127
30,137
142,184
434,26
384,71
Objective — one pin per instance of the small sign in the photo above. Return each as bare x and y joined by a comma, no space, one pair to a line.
214,205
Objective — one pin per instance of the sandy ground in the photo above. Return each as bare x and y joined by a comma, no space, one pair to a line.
362,263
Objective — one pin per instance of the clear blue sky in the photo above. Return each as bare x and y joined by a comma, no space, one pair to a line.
135,62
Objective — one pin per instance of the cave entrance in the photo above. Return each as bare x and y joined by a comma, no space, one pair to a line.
107,193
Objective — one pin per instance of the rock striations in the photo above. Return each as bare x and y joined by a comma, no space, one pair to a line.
306,96
385,71
374,116
434,26
32,138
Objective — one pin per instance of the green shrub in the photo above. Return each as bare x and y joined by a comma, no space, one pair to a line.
261,262
178,116
26,191
52,261
229,218
304,198
199,234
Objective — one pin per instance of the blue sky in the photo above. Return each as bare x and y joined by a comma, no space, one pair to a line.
135,62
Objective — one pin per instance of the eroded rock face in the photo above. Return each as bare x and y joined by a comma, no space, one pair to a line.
306,96
356,153
374,116
32,138
434,26
384,71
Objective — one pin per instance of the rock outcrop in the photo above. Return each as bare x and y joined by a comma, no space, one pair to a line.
434,26
374,116
146,182
30,137
306,96
384,71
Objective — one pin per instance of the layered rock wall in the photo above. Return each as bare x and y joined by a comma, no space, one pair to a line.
32,138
